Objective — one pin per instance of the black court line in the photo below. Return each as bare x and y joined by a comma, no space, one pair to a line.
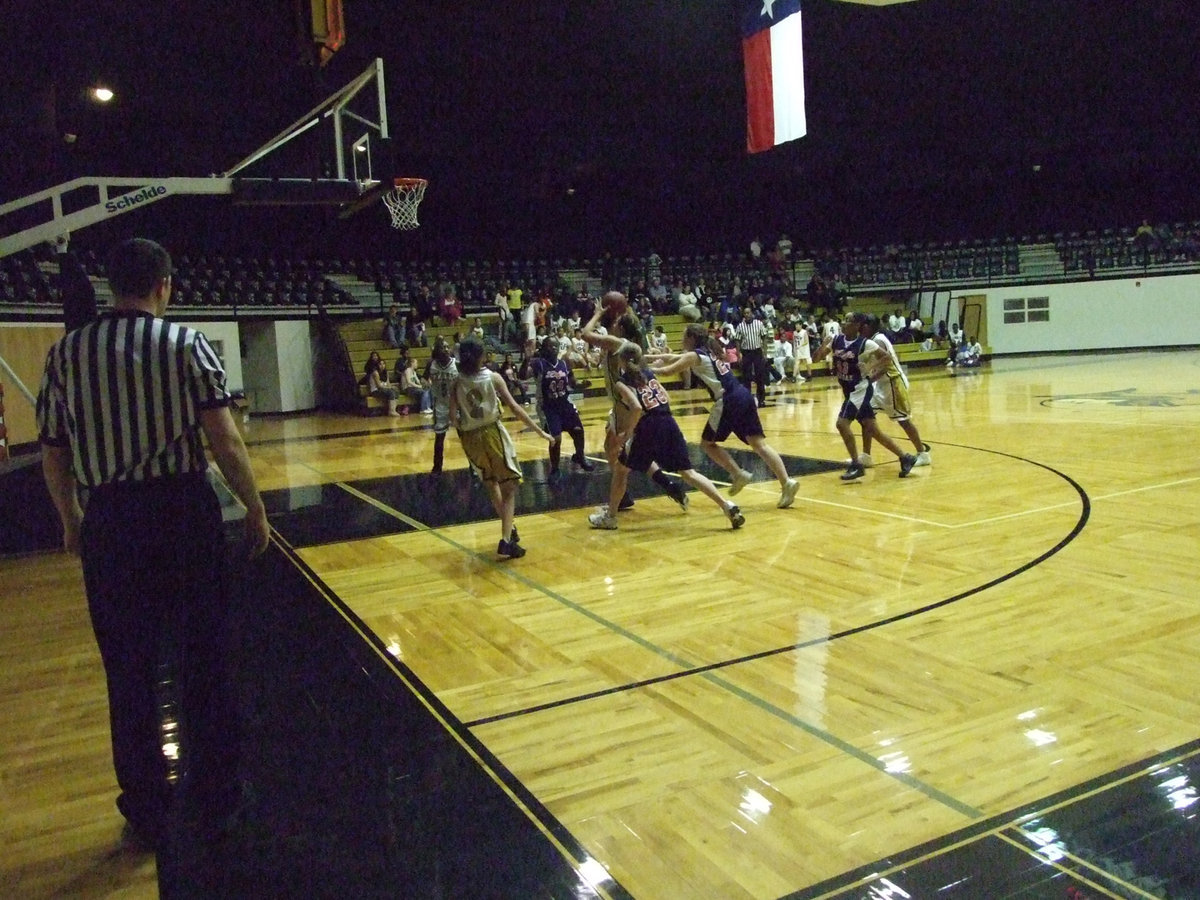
709,671
397,670
426,425
1040,809
1085,514
313,515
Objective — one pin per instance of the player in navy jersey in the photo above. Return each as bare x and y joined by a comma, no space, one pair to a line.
733,412
626,331
652,440
554,384
847,348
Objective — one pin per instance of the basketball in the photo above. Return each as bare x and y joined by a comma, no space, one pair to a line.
614,305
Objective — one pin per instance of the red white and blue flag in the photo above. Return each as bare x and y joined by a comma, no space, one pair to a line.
772,48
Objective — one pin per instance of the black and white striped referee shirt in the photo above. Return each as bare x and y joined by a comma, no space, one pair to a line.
125,391
750,334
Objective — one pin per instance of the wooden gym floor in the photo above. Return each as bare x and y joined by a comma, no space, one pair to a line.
974,682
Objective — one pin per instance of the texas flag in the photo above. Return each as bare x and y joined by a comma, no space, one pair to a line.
772,48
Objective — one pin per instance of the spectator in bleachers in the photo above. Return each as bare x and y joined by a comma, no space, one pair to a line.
674,289
658,341
503,316
724,307
756,250
689,305
818,292
414,331
1190,245
572,321
544,311
737,290
644,310
424,305
510,372
653,265
393,328
658,294
516,302
415,390
375,375
608,269
588,357
1144,240
767,311
581,309
841,290
562,342
449,308
775,263
967,355
529,326
1165,238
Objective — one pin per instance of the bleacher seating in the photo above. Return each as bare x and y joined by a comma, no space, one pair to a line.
1115,251
212,283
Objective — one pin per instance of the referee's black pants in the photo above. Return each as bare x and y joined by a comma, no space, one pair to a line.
754,369
153,564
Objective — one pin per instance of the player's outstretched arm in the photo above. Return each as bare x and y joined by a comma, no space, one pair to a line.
678,362
661,357
519,411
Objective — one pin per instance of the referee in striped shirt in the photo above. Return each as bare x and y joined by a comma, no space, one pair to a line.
750,334
123,404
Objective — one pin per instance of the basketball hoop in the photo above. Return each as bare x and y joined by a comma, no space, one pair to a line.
402,201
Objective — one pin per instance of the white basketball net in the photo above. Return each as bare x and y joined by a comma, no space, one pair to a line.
402,202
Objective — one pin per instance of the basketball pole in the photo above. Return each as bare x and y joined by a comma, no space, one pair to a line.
8,373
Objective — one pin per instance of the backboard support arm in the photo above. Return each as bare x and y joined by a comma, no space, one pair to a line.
115,196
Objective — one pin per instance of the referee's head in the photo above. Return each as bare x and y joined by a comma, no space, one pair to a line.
139,270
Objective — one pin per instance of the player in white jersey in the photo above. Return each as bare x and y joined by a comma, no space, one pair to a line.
475,406
801,351
851,353
440,373
890,394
